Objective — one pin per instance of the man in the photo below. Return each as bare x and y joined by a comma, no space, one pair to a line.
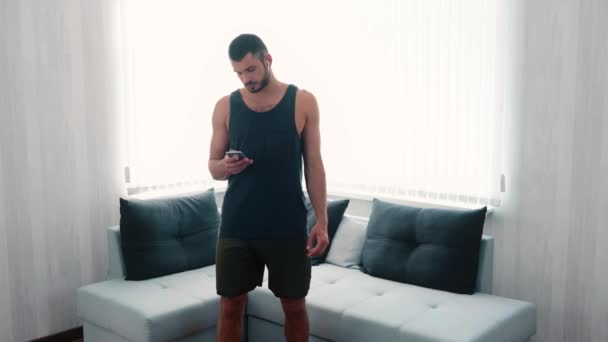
264,214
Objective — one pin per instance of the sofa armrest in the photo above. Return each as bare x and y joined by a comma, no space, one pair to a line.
485,270
116,262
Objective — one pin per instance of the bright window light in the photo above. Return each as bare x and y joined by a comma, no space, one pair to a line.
412,94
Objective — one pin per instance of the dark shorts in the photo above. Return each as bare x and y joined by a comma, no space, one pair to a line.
239,266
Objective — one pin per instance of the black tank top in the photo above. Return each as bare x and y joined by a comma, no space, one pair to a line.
266,200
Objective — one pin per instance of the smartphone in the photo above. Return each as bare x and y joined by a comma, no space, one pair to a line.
237,153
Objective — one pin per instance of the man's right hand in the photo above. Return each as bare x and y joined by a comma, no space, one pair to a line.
234,166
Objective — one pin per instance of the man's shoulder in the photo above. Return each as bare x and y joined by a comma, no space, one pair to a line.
306,102
305,98
223,104
225,100
305,94
222,109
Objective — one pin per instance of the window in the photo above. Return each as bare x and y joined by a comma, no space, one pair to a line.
412,94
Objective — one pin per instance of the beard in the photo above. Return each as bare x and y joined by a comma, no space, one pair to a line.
251,86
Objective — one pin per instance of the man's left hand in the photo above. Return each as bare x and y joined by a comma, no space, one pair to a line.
318,240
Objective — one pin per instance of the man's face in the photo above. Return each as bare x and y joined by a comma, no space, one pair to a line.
252,72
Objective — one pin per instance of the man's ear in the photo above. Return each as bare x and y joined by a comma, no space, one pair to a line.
268,59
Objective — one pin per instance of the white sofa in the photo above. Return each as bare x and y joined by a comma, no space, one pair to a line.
344,304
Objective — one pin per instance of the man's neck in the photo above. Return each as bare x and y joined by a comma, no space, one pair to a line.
272,89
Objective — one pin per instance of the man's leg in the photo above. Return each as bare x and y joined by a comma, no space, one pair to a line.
296,319
289,273
230,322
237,272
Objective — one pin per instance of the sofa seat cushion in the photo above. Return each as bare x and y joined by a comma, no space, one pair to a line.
349,305
158,309
325,300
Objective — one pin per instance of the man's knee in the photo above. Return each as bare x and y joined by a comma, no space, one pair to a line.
294,306
232,307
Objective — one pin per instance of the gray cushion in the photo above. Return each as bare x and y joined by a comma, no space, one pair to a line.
435,248
168,235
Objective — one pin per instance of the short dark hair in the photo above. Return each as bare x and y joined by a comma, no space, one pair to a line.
244,44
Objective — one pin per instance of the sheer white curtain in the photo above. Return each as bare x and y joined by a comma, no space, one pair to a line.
412,93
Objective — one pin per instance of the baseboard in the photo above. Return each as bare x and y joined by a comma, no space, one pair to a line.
64,336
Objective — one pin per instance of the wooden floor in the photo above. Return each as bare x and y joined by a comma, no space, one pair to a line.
72,335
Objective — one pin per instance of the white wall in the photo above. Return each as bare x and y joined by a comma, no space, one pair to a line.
551,235
59,160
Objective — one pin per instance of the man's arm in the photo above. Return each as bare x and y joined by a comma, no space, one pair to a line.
220,165
219,139
314,171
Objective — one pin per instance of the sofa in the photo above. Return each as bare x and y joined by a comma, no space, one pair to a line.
344,303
